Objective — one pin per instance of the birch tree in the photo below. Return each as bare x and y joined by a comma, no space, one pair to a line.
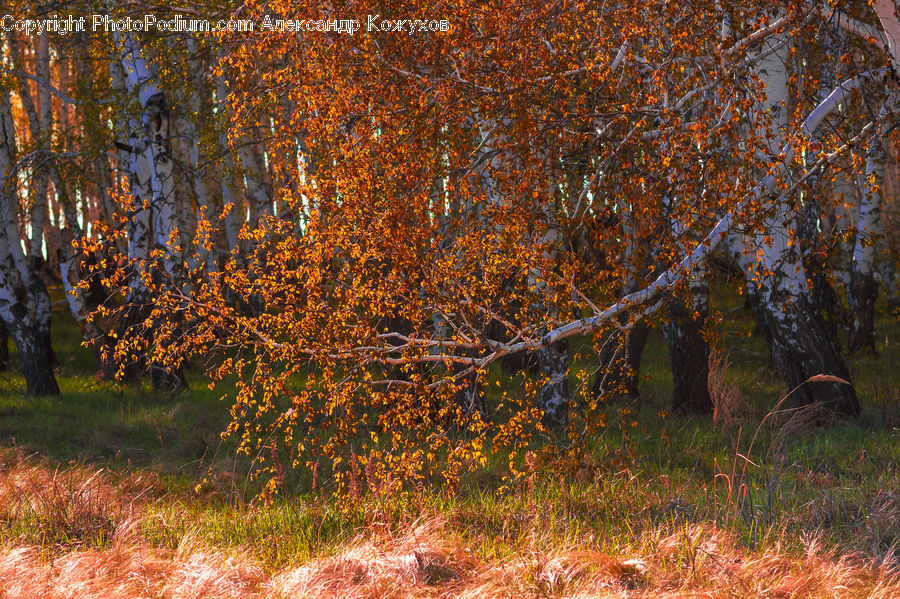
799,343
153,190
24,301
71,234
385,125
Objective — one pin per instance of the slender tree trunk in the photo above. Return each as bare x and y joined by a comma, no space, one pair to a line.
69,266
260,194
816,238
555,395
28,266
823,297
21,321
139,225
232,206
620,363
620,357
29,322
139,233
800,344
157,162
889,282
255,178
470,395
689,351
35,360
27,330
41,126
863,287
39,208
862,294
36,365
205,246
4,347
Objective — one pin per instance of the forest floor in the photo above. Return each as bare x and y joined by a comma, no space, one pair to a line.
98,499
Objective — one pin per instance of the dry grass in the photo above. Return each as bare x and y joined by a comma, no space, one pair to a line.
729,404
874,521
426,562
126,571
709,563
71,507
433,558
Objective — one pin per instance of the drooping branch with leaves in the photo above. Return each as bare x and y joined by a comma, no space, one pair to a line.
370,233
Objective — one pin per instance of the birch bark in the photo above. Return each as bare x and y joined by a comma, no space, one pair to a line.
28,321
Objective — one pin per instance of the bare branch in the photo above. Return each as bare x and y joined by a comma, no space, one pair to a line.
50,86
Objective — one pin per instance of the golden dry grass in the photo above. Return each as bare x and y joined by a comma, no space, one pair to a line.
426,563
430,559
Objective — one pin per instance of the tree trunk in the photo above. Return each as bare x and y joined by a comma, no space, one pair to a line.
889,282
813,245
159,164
232,206
863,287
24,301
554,396
139,229
4,347
44,311
800,348
470,395
862,294
817,239
688,350
800,345
91,333
39,210
620,364
205,246
689,355
167,379
36,363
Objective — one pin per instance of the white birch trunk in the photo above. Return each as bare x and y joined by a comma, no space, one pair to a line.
153,157
41,125
139,235
863,290
555,394
799,342
39,211
29,322
255,180
778,275
156,149
204,246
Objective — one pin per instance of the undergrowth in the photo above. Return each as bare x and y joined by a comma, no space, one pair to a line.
749,500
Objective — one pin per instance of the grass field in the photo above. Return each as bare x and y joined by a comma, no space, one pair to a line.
97,499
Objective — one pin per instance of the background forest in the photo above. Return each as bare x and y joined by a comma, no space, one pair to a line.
449,299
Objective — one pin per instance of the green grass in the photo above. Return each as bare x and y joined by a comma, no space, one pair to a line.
838,483
105,422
